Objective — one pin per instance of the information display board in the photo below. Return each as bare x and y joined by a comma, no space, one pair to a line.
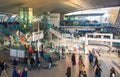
13,52
38,35
17,53
20,53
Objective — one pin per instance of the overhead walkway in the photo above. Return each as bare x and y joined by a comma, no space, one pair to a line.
101,37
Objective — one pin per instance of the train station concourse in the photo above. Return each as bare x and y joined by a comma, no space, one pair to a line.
60,38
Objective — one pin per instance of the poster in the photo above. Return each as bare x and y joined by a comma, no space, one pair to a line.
17,53
13,52
20,53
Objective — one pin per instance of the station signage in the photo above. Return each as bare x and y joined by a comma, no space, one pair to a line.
17,53
38,36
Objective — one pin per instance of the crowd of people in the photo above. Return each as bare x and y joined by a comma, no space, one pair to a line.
93,62
15,72
33,62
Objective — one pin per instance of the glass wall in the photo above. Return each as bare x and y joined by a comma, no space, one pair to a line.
83,20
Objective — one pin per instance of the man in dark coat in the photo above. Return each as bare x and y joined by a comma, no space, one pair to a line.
26,61
14,62
14,72
98,71
50,61
32,62
68,73
24,73
96,62
73,59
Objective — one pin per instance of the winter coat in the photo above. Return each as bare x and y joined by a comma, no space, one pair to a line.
49,60
68,73
26,60
24,73
90,57
98,72
73,59
14,72
96,61
32,61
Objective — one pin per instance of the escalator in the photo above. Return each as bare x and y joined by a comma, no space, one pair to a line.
2,45
55,32
58,32
5,30
4,34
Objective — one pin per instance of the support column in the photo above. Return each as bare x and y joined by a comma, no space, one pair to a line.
61,17
102,36
86,44
111,40
51,36
86,40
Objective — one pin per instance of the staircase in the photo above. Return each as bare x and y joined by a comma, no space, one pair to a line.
4,55
44,63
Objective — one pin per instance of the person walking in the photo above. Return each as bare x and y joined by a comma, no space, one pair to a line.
14,72
93,52
42,53
26,61
81,68
19,74
90,58
112,72
73,59
60,54
25,72
1,67
14,62
84,74
98,71
30,50
32,62
68,72
80,58
96,62
38,63
4,69
50,62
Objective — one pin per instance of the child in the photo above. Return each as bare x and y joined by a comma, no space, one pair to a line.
84,74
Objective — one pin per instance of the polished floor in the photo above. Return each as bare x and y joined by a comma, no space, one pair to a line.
60,67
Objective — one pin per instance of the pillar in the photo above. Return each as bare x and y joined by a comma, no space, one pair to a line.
102,36
86,44
61,17
111,39
86,39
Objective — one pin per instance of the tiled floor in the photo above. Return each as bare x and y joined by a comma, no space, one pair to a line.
59,69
